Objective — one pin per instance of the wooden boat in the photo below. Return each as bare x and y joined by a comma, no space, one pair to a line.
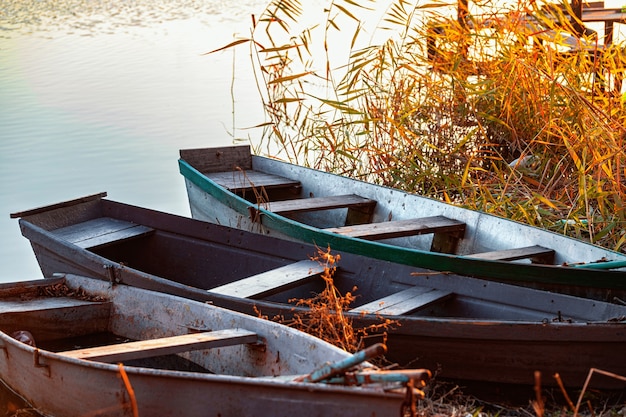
229,186
470,329
63,341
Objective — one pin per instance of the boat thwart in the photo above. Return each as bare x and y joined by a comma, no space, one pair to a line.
76,346
470,329
229,186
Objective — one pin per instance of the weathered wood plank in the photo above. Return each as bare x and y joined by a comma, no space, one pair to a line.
537,253
101,231
404,302
58,205
27,289
55,318
446,242
322,203
402,228
228,158
273,281
244,181
40,303
164,346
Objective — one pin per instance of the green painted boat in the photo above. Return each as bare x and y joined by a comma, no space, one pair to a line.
232,187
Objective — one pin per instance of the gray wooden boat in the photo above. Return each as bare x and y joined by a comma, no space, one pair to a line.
229,186
63,341
469,329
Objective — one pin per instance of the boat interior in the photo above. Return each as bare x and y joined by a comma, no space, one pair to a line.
349,215
51,316
255,270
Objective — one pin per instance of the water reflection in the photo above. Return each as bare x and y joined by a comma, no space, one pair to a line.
93,18
99,96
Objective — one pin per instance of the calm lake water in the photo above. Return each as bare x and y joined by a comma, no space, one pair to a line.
100,96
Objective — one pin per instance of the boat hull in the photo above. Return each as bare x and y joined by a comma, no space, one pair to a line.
489,331
58,385
211,202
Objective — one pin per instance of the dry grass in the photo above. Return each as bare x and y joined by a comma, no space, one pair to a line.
324,315
490,114
448,399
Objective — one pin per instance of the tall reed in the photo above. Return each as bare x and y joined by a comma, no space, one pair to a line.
495,107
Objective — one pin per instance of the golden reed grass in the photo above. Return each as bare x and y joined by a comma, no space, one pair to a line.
498,109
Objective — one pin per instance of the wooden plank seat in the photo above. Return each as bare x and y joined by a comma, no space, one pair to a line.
404,302
360,209
249,181
164,346
52,318
227,158
101,231
536,253
22,305
322,203
403,228
272,282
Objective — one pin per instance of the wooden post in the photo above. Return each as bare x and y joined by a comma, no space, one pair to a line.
463,12
577,25
463,17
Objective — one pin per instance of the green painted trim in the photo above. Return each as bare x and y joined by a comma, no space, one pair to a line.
497,270
602,265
